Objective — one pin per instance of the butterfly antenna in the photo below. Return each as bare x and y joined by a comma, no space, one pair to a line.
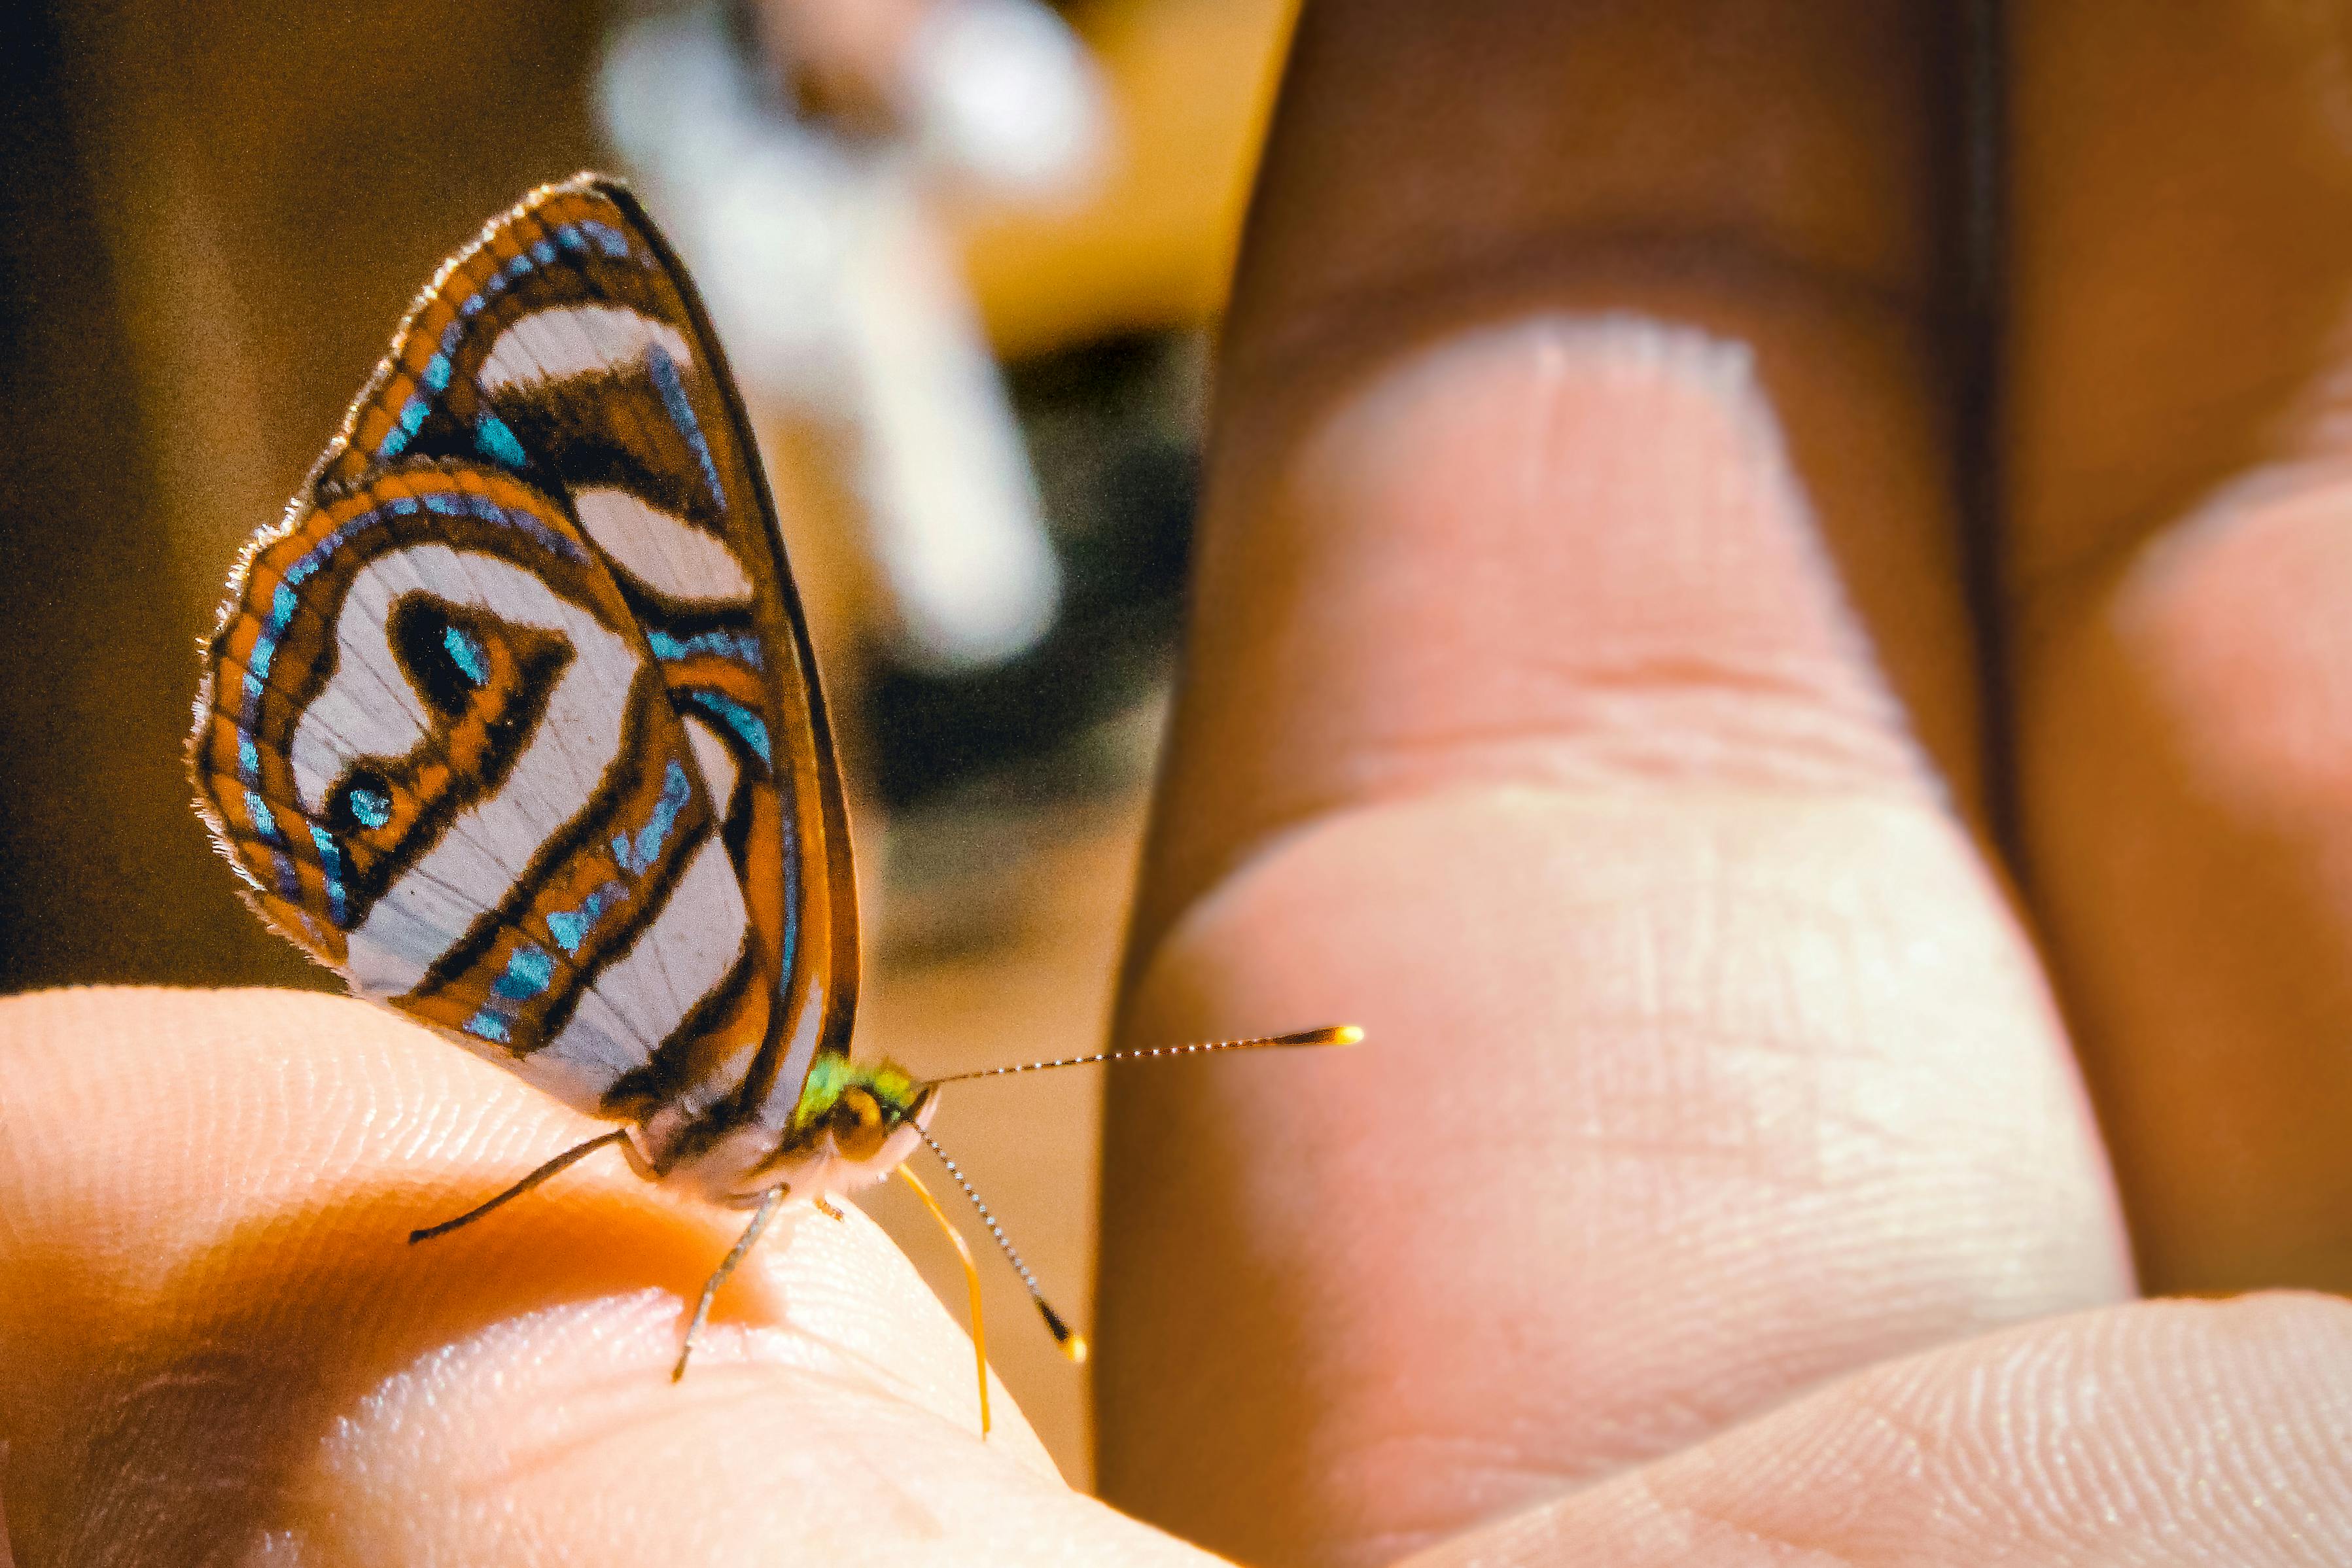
1334,1034
1072,1344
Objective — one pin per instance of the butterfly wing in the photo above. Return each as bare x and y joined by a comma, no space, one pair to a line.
514,721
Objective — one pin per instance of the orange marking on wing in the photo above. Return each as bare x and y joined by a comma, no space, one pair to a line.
716,673
764,895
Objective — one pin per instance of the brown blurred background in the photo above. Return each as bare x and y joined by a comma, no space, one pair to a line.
211,217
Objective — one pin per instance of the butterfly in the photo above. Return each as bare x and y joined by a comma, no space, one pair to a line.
513,722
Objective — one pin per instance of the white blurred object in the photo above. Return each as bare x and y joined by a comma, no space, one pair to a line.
836,291
1001,90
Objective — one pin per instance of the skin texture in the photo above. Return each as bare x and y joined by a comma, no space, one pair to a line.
1590,692
1596,689
220,1348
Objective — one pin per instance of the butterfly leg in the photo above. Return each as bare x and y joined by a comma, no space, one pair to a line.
972,1284
561,1162
825,1207
767,1212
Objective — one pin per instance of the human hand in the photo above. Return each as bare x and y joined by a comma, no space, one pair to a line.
217,1346
1582,697
1588,693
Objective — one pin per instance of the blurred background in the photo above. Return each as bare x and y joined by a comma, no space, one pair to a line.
965,256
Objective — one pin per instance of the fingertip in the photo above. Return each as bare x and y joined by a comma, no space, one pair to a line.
214,1330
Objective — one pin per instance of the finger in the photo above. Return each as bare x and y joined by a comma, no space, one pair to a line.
2183,206
2064,1442
1578,698
216,1344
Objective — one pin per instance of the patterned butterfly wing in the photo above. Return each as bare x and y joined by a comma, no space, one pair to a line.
513,720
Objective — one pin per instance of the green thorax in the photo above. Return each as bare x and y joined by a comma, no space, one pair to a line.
830,1077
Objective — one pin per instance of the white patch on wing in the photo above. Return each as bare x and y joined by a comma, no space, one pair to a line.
369,709
573,340
664,552
641,996
717,763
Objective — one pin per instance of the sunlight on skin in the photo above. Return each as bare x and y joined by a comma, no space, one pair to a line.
213,1338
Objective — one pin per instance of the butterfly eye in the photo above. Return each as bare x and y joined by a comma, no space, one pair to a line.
362,803
858,1132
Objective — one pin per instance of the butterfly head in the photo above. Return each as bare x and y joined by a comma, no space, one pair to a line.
856,1122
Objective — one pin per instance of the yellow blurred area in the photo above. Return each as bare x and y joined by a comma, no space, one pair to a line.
1191,83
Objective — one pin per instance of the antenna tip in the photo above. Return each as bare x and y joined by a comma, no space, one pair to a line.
1073,1343
1336,1034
